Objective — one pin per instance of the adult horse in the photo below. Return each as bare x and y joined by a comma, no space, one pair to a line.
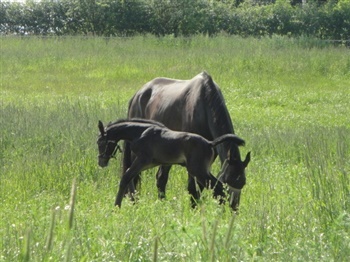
195,106
155,145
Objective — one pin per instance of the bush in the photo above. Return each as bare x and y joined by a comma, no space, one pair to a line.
176,17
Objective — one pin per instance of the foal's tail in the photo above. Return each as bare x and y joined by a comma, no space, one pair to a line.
228,137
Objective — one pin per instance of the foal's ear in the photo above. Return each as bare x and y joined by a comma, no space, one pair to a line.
232,157
246,160
101,128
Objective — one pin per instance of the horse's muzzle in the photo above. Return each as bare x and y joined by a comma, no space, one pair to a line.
235,196
102,161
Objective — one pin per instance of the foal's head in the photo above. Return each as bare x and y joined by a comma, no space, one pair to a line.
106,147
233,174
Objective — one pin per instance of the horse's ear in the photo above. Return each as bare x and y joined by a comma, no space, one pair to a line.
246,160
101,128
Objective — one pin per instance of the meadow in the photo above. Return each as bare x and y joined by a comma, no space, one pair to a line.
288,98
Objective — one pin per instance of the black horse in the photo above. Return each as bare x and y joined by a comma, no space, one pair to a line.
195,106
154,145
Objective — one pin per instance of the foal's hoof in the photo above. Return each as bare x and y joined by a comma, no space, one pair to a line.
161,195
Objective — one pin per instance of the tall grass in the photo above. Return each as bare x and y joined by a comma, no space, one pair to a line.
287,98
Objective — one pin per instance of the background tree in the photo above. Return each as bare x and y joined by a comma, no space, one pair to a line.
321,19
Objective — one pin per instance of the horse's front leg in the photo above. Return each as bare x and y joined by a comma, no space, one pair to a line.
162,179
137,165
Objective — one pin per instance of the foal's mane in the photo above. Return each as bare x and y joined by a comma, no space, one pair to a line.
136,120
146,121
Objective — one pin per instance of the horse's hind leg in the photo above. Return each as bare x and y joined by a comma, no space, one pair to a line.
162,180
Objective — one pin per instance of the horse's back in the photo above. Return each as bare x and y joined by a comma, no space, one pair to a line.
179,104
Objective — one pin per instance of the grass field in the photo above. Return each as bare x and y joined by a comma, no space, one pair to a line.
289,99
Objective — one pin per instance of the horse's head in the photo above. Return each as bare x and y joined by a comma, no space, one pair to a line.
233,174
106,147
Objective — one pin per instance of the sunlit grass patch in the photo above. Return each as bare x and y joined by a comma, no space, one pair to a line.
287,98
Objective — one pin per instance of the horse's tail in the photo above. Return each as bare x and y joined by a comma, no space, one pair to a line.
228,137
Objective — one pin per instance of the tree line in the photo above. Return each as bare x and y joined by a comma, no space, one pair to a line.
320,19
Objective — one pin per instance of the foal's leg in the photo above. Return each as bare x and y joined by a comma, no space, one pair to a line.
127,160
133,171
205,179
195,190
218,188
162,179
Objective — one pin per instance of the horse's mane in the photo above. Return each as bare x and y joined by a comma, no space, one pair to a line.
218,116
216,105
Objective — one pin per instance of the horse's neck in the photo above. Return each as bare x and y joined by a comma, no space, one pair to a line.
219,119
222,150
225,147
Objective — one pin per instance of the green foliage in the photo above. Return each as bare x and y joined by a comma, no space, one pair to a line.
178,17
288,98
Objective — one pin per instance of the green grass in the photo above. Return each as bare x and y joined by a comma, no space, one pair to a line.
288,98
